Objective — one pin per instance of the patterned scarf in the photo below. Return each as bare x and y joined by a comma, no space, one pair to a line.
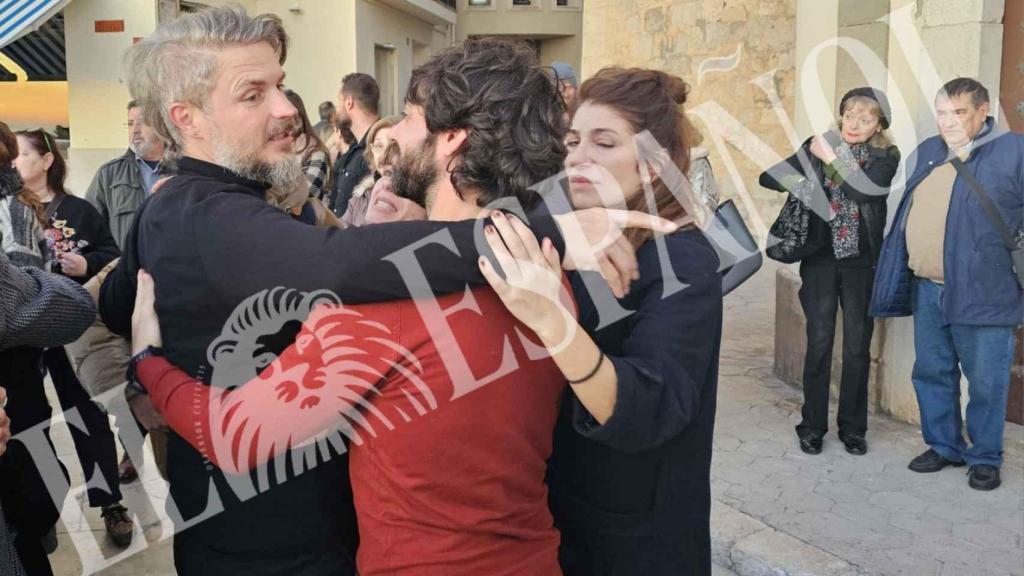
845,214
21,235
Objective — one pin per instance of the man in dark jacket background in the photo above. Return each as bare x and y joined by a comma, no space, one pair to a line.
945,262
358,103
121,185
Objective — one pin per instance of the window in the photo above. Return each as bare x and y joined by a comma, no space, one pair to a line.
476,3
567,4
524,4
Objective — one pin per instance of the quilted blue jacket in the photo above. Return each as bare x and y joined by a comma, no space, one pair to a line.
980,286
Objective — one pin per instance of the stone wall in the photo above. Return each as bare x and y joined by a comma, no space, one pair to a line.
678,36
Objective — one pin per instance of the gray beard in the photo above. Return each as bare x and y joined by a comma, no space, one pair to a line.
141,151
285,175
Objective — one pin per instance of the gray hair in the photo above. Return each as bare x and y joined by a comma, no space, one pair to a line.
178,62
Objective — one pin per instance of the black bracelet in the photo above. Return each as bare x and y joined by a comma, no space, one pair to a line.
133,381
600,362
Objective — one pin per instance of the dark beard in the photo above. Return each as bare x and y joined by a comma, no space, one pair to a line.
415,172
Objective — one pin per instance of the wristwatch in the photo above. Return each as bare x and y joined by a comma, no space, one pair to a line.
133,381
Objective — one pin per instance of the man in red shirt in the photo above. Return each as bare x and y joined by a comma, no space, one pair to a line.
449,403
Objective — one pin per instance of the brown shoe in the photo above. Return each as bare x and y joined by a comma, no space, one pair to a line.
119,524
126,472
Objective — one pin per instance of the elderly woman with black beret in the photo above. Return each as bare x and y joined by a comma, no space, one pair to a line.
844,179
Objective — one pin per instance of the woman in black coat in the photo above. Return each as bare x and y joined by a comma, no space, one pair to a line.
629,476
844,179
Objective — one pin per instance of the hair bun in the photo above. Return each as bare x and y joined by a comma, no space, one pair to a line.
677,88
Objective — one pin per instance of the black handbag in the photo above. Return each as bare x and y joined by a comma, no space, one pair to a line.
789,238
1014,243
737,250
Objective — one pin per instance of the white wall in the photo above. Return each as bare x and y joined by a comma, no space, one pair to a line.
321,46
816,22
97,94
379,24
502,20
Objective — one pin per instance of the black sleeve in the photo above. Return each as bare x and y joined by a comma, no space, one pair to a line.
102,246
117,294
872,183
249,246
785,174
671,352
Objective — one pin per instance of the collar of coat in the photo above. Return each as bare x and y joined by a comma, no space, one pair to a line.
189,165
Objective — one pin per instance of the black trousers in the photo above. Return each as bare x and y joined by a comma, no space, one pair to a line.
827,287
29,506
95,445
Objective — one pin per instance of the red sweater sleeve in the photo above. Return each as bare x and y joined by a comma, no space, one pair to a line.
317,387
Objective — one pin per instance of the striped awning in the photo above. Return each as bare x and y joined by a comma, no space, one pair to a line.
32,36
19,17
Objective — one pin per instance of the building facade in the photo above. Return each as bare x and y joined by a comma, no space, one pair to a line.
329,38
553,27
767,74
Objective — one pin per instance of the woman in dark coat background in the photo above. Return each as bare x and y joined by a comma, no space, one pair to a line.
844,179
36,309
629,477
80,245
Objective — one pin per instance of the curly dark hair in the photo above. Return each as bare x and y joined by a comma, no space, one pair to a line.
514,116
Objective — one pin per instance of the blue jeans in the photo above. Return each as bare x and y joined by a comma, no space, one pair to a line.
985,353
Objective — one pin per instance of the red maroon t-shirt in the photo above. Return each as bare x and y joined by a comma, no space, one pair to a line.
450,430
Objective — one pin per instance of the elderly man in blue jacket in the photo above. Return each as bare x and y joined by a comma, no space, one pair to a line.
946,261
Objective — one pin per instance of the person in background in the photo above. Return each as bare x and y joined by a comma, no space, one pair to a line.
325,127
946,262
358,102
389,205
311,150
701,177
340,140
120,185
379,138
80,245
565,77
36,309
78,239
117,190
854,172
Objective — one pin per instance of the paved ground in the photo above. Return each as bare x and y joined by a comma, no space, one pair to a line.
777,511
869,513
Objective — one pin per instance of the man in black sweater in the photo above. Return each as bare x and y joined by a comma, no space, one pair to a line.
210,240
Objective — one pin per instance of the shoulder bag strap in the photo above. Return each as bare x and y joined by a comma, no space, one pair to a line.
986,203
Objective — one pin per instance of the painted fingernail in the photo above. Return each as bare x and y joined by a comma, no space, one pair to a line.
498,214
489,229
